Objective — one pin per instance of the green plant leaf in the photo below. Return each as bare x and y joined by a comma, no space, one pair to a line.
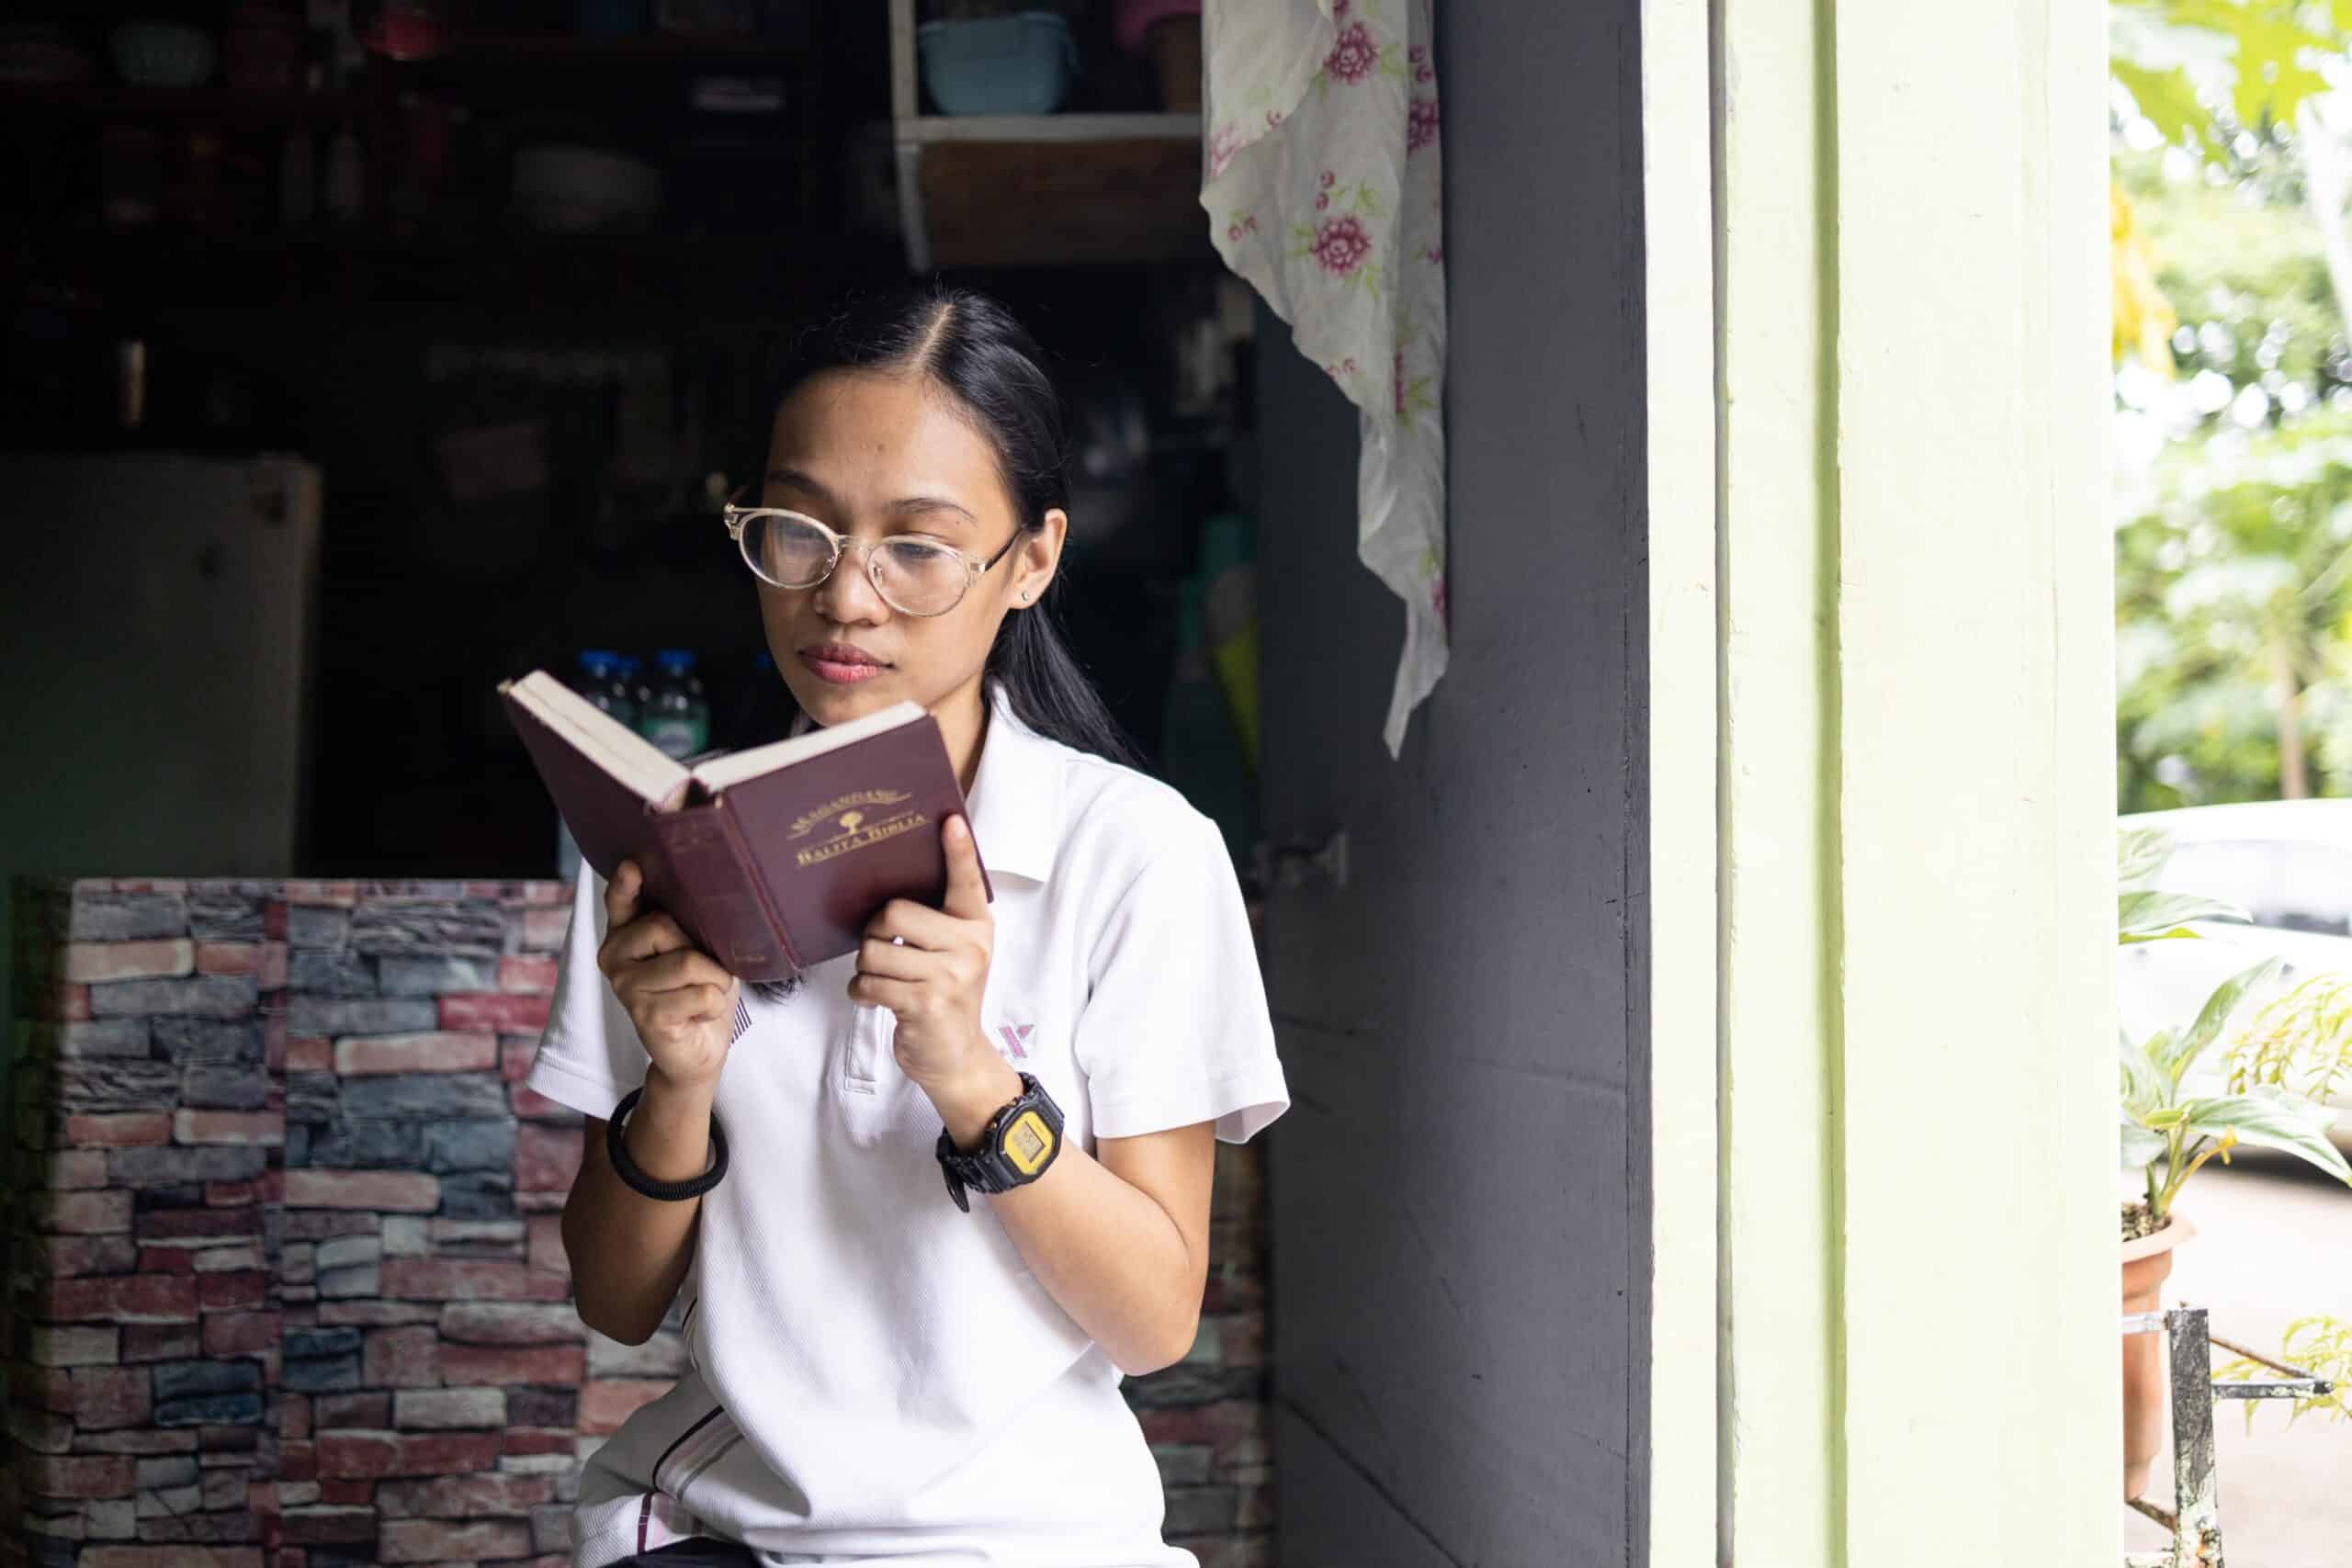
2272,79
2167,98
2274,1120
2142,1147
2175,1056
2140,854
2144,1087
2150,916
2301,1041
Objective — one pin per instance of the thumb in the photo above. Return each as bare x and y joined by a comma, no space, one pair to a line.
620,895
967,892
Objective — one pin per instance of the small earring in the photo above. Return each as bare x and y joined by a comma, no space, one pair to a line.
1025,594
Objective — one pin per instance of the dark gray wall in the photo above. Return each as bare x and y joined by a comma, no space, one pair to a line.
1461,1230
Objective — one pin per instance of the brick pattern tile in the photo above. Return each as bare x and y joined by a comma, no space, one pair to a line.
291,1291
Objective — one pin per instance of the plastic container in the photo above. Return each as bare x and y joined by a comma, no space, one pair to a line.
562,188
607,18
675,716
1017,64
347,184
33,51
262,49
599,678
1175,44
162,54
1168,31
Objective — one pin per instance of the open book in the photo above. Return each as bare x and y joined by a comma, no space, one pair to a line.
770,859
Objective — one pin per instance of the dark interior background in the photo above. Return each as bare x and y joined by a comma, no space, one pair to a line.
610,380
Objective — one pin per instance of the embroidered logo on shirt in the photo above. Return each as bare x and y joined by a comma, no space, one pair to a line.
1014,1033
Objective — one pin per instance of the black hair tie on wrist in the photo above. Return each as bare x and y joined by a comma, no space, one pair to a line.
666,1191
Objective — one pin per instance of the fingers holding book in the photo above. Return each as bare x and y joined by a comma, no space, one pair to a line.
682,1001
930,967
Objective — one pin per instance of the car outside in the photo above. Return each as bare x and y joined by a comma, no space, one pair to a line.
2288,864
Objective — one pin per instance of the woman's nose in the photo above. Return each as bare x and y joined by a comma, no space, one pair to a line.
848,596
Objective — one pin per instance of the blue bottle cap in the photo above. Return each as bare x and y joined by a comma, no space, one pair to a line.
675,659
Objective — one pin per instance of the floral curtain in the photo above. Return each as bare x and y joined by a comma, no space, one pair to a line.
1322,191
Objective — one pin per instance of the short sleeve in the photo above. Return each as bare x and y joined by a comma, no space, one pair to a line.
589,1055
1175,1029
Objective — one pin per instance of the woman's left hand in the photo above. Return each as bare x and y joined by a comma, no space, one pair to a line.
933,975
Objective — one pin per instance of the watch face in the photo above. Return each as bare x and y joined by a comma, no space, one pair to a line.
1027,1142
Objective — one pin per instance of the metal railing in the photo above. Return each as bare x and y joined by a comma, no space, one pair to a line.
2195,1517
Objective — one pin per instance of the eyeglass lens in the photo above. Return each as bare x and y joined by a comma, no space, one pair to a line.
916,577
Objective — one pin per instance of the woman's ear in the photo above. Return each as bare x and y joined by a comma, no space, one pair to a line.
1040,557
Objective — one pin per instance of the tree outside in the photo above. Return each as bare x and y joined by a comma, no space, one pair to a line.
2233,399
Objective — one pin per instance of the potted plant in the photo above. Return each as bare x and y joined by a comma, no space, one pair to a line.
2175,1120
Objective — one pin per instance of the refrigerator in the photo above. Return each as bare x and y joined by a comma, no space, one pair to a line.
159,619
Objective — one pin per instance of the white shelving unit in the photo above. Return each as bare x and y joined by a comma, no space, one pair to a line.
1150,147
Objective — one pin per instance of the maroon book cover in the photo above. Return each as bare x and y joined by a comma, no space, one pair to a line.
768,873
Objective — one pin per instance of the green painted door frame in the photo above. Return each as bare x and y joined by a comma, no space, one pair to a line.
1883,1304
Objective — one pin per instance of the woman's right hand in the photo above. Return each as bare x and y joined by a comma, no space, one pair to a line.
681,1000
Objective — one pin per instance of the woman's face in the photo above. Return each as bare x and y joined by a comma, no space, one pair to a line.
871,454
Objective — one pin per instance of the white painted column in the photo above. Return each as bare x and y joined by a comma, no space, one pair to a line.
1914,760
1778,1471
1678,323
1976,746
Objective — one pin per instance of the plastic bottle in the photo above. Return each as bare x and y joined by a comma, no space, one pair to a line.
346,177
297,179
597,678
631,690
676,716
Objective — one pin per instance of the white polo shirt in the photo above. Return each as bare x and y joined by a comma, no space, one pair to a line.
872,1372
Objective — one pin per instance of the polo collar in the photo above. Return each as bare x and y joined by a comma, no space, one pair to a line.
1016,800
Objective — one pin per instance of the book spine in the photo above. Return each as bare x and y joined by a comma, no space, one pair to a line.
756,883
723,908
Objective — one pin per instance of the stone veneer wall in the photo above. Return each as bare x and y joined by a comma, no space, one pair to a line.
284,1287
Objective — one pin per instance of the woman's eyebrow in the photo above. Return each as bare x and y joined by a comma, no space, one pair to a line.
912,504
801,481
907,506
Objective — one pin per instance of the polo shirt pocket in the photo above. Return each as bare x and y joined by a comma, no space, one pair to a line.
872,1101
863,1062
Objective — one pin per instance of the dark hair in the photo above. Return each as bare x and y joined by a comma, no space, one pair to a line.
974,348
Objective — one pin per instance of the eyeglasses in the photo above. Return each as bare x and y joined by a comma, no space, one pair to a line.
914,576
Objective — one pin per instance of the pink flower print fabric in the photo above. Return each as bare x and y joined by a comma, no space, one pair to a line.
1353,55
1341,244
1322,186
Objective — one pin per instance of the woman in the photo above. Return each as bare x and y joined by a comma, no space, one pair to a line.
873,1370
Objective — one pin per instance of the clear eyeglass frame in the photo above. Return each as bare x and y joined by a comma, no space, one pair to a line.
738,519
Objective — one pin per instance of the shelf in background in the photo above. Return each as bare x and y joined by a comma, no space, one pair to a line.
468,55
1035,127
210,105
1052,204
501,270
630,48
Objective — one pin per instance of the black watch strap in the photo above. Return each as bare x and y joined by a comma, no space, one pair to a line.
628,1170
986,1168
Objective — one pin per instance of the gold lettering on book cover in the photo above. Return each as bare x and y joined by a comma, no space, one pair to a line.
856,832
809,822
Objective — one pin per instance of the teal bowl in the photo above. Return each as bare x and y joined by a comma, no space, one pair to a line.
1017,64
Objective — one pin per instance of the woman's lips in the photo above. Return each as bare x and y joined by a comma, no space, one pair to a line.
841,666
